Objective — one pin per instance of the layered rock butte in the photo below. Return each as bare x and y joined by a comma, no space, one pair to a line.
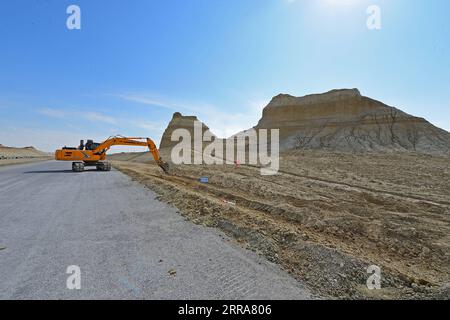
339,120
180,122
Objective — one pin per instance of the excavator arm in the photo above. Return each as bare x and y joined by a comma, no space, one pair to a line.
123,141
93,154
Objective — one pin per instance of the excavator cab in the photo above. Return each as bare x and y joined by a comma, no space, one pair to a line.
91,145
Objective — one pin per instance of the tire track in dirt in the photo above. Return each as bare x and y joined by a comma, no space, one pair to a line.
356,187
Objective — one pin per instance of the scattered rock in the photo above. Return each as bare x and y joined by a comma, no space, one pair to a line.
172,272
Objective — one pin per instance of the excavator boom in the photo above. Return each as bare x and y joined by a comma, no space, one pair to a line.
94,154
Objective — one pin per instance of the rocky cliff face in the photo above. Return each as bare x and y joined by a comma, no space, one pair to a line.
179,122
344,120
339,120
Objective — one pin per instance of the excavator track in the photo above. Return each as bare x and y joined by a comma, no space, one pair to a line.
103,166
77,166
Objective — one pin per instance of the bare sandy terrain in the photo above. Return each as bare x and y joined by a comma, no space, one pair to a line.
327,216
10,155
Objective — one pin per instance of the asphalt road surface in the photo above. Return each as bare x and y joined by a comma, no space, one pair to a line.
127,244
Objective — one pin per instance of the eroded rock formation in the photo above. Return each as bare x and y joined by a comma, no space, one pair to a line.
180,122
345,120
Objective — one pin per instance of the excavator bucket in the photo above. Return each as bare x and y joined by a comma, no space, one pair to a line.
164,165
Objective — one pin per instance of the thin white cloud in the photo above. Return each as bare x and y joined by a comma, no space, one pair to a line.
95,116
165,103
221,122
258,105
54,113
142,99
150,126
72,114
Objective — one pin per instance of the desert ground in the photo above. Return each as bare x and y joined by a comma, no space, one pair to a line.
11,156
326,217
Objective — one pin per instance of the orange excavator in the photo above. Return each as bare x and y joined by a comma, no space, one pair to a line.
94,154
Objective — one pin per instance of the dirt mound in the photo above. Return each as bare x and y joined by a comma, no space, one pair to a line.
19,153
344,120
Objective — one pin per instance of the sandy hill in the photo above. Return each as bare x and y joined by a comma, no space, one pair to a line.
27,152
344,120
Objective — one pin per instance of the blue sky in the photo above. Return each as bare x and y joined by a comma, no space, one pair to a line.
134,63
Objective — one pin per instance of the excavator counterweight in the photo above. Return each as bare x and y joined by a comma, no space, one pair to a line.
94,154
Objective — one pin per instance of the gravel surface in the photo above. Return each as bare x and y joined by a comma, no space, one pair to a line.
127,244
